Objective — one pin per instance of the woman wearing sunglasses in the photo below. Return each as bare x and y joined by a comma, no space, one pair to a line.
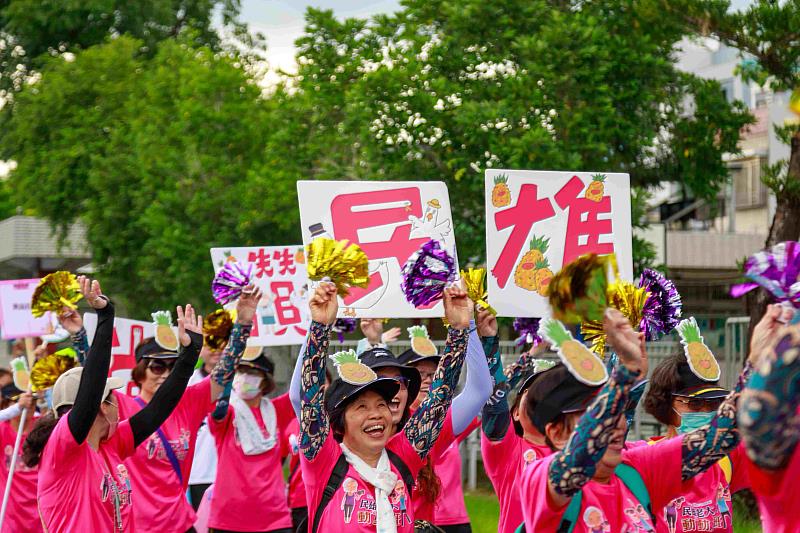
357,477
80,446
160,468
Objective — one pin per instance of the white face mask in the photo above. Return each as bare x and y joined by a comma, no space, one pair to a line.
247,386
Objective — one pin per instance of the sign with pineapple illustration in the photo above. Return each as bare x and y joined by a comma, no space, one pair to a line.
537,221
280,271
701,360
389,221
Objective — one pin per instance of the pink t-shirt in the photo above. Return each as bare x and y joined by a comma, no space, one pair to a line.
352,507
775,492
81,489
297,489
161,503
606,507
423,508
704,503
249,492
503,461
21,513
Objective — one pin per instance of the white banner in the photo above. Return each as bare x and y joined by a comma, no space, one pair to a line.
16,320
280,271
537,221
389,221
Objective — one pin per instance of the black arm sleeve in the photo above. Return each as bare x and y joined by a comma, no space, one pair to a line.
93,380
147,421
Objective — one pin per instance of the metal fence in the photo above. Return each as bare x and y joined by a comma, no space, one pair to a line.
645,426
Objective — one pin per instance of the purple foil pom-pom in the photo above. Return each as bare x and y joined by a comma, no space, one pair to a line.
776,270
344,325
426,274
662,309
230,280
528,331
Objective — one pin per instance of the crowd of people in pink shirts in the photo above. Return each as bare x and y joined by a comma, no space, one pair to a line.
368,440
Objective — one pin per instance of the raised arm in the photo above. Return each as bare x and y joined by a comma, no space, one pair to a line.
71,320
95,370
477,388
314,425
294,386
424,426
703,447
495,416
222,374
149,419
768,410
575,465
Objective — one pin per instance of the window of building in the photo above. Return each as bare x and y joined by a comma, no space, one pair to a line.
750,191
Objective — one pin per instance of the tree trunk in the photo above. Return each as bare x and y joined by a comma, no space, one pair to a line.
785,227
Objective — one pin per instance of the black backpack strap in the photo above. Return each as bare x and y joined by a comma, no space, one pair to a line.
405,472
334,482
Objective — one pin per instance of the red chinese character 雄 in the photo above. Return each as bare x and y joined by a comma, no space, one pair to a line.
528,210
583,223
374,210
262,261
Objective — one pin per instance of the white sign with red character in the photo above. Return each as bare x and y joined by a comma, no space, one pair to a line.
128,334
16,320
537,221
282,316
389,221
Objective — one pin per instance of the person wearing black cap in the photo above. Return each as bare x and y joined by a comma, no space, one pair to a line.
83,484
21,513
166,458
248,436
591,482
768,417
356,476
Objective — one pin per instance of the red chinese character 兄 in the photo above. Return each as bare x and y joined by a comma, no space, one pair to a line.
285,312
528,210
262,262
285,260
583,223
378,213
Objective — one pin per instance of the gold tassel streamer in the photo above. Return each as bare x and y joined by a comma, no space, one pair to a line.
341,262
578,290
475,285
217,327
54,292
46,370
628,299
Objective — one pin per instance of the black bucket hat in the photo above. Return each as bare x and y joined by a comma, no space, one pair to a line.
380,357
262,362
556,391
691,386
341,393
150,349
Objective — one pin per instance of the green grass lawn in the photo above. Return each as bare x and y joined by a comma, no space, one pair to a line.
483,513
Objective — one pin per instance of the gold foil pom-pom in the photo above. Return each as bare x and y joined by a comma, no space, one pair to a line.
46,370
475,285
341,262
54,292
577,293
217,327
628,299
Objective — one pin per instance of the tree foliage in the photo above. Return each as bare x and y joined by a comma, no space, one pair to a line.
163,143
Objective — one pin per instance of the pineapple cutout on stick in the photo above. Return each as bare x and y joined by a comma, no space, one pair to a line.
421,342
164,333
533,270
351,370
701,361
581,362
596,188
19,371
501,195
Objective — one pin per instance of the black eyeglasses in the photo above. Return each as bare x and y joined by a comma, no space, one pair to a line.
701,404
158,367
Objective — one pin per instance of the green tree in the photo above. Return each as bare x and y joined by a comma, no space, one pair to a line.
767,34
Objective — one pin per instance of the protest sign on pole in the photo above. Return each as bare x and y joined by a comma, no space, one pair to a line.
537,221
16,320
280,271
389,221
